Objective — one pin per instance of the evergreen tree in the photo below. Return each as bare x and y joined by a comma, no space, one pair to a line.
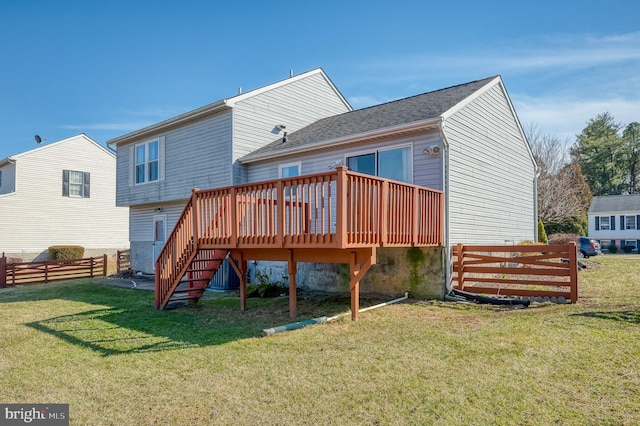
600,154
631,150
542,235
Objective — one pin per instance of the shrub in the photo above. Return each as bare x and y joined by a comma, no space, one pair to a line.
562,238
66,252
612,248
542,234
628,249
267,288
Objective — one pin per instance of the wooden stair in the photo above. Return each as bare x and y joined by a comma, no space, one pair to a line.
193,283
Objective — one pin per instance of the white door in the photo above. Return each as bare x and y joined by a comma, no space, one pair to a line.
159,235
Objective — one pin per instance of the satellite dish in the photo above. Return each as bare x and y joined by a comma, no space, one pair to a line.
37,138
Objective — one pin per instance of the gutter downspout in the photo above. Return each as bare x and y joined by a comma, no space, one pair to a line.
446,253
536,175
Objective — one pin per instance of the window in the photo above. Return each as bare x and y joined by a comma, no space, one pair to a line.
394,163
0,178
75,184
289,170
604,223
147,162
629,222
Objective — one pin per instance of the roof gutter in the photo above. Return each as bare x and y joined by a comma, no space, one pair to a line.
6,161
414,127
171,123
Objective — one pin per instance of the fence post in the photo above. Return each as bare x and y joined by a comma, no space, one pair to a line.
104,265
3,271
341,206
573,277
195,205
460,266
383,213
91,267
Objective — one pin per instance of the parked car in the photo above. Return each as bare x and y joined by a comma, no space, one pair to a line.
588,247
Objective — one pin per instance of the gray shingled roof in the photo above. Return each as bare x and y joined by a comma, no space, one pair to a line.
403,111
615,203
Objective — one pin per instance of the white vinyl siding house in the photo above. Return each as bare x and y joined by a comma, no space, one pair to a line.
62,193
491,187
615,220
200,148
473,148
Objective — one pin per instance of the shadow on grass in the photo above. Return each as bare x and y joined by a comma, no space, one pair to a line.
121,321
632,317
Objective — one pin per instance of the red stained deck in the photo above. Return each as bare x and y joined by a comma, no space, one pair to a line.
334,217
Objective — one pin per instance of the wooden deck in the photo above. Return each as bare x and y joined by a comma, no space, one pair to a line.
334,217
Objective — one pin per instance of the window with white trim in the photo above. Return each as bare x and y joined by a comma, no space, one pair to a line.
75,184
630,222
287,171
147,162
393,163
604,223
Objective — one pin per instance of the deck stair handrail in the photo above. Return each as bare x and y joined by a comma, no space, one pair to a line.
339,209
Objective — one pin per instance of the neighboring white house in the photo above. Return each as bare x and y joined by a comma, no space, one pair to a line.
615,219
465,140
62,193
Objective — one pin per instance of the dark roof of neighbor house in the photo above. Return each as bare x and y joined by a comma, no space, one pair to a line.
416,108
615,203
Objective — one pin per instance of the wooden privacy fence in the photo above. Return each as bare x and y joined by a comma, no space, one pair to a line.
50,270
521,271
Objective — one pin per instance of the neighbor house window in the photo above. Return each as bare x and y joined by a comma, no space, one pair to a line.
629,222
147,162
75,184
394,163
604,223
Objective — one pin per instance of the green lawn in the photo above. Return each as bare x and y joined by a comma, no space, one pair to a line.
117,361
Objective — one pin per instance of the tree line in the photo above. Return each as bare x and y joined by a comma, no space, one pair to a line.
604,159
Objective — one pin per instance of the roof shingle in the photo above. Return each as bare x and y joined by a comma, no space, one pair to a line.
403,111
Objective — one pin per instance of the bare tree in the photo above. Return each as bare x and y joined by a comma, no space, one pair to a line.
562,190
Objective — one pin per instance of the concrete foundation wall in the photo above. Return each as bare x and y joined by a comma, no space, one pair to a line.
142,256
420,271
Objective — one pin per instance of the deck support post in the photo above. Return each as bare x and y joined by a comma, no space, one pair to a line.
241,272
356,272
293,269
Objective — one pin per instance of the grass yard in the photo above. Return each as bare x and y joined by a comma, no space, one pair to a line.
117,361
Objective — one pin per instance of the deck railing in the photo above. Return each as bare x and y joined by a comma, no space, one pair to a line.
338,209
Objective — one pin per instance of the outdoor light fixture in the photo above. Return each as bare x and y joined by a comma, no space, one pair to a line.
433,151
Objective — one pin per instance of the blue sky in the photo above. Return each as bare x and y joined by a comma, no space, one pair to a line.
109,68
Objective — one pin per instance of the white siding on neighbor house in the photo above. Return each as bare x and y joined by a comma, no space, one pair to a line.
8,181
197,155
294,105
38,215
427,170
491,176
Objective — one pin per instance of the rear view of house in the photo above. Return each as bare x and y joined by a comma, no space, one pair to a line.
290,174
62,193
